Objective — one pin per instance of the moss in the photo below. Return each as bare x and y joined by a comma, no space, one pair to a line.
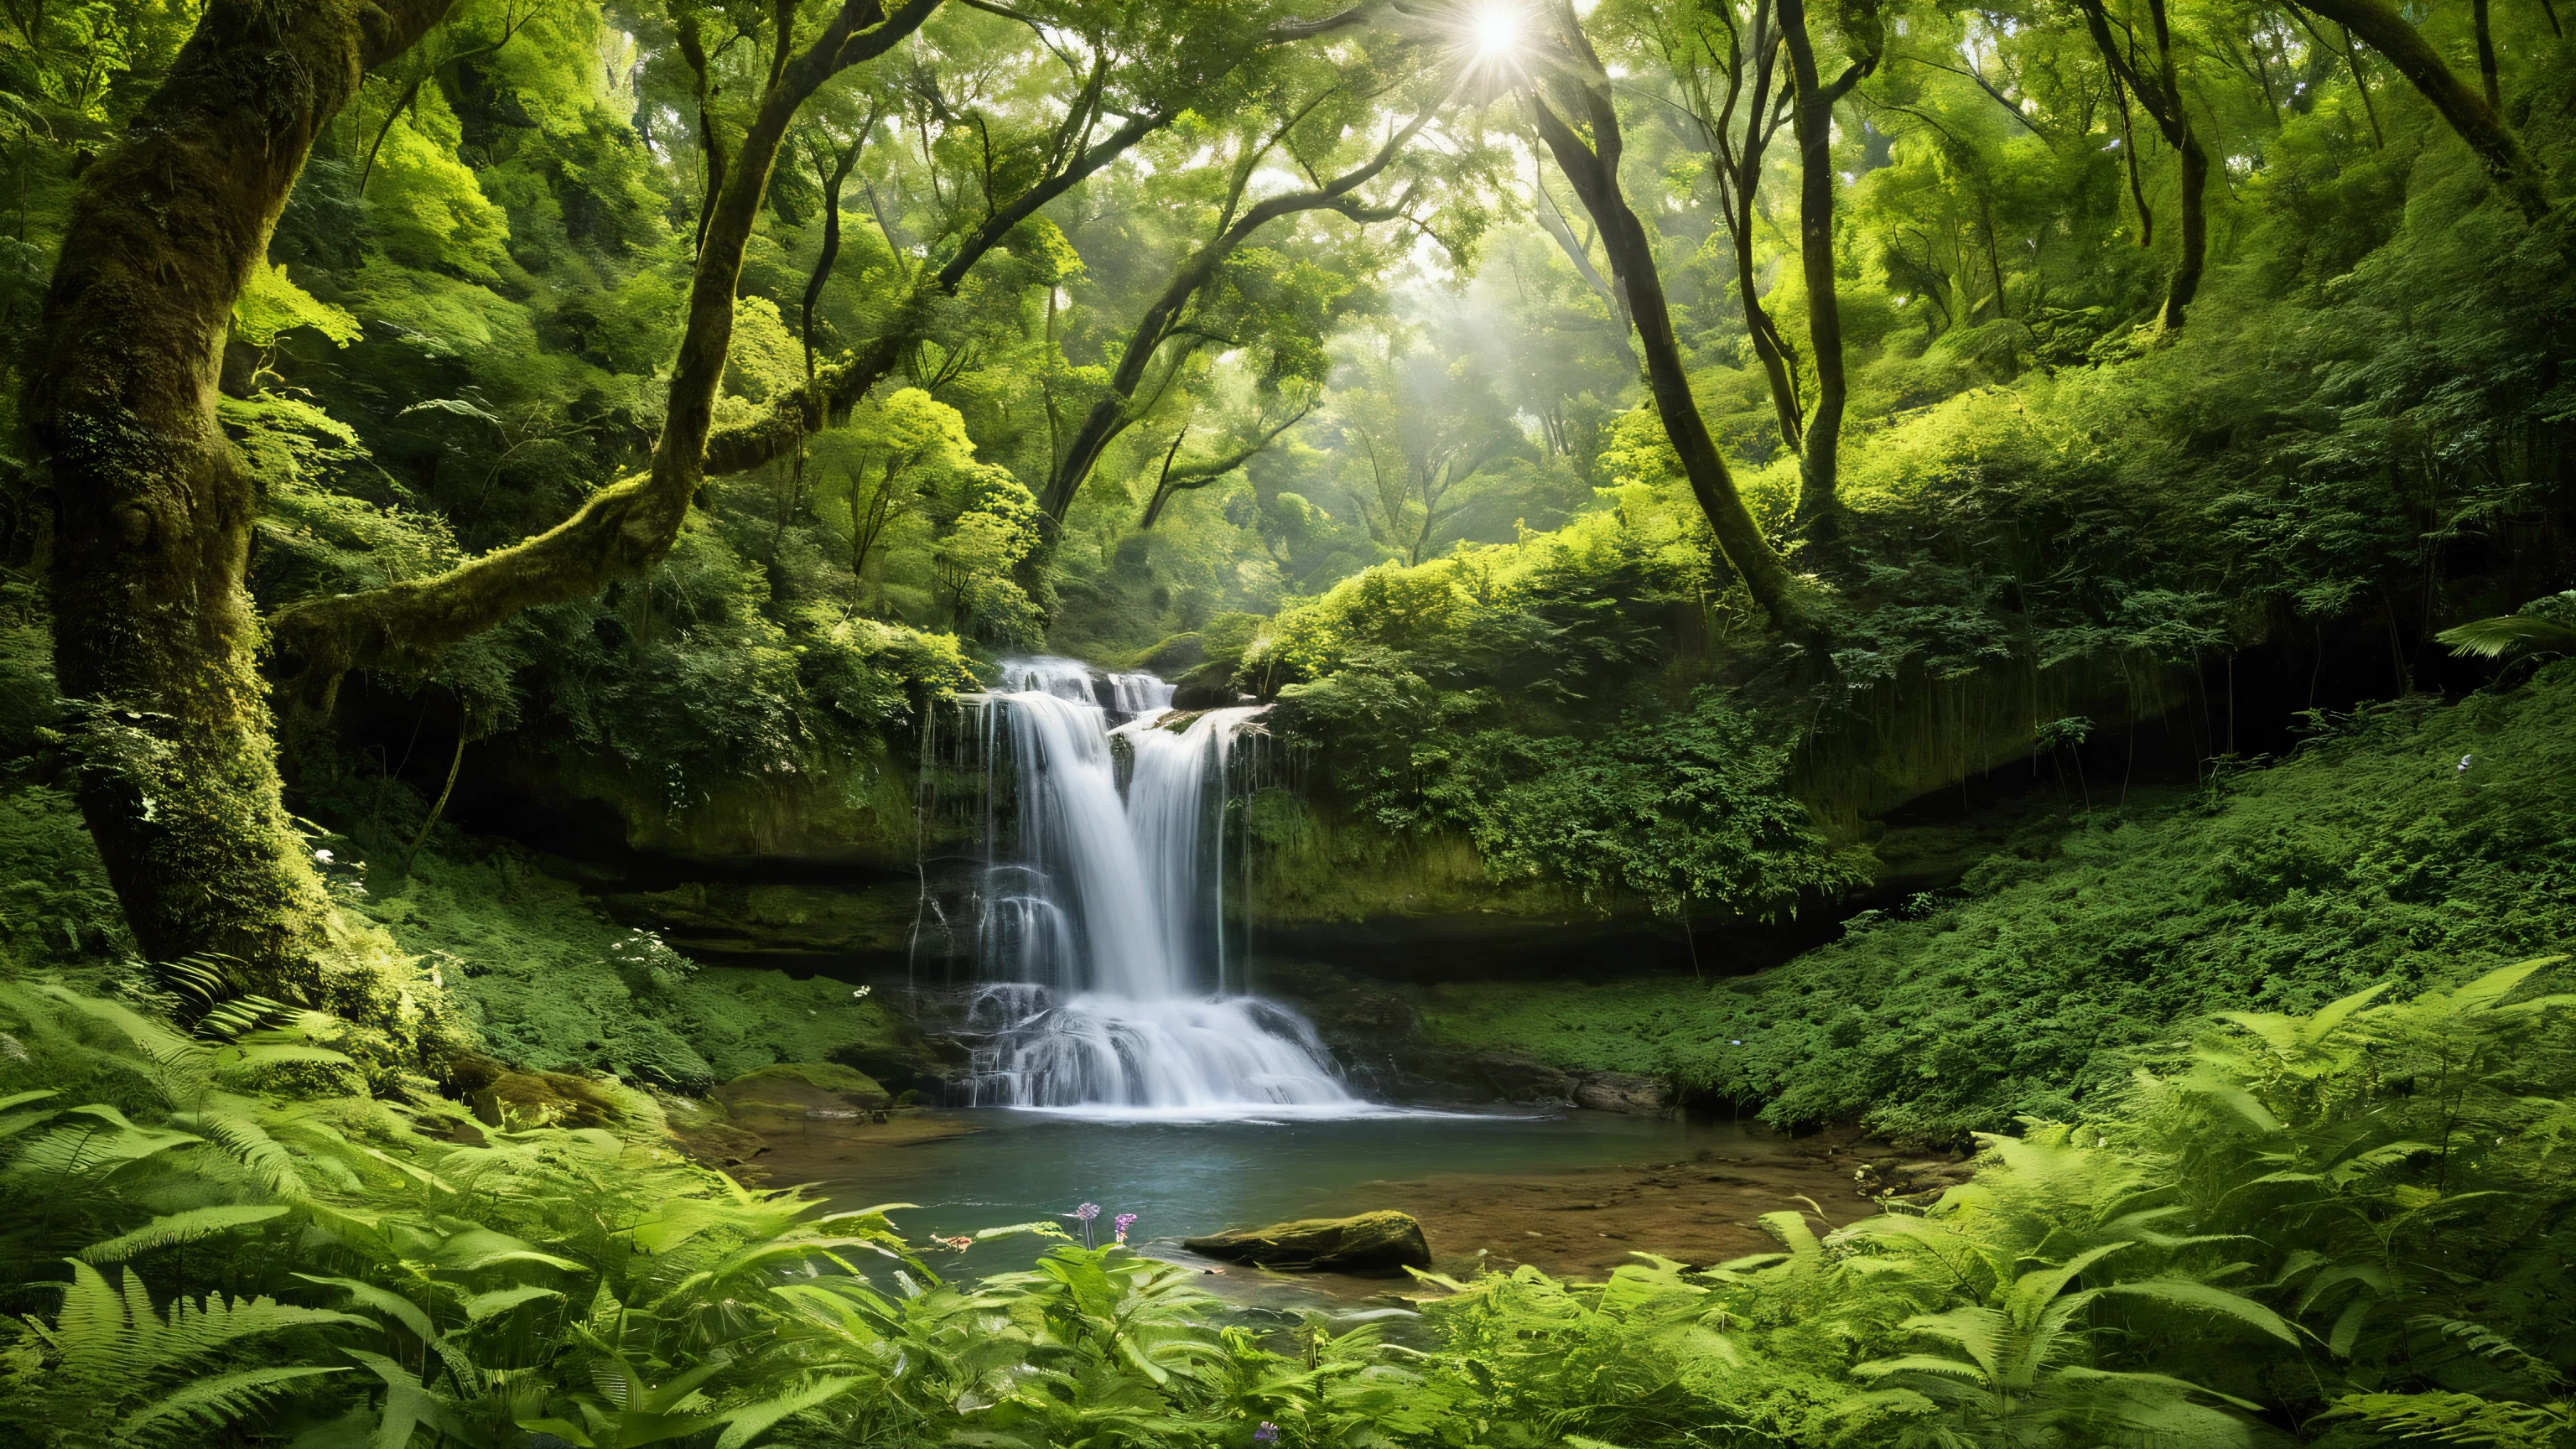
536,969
822,1076
1316,864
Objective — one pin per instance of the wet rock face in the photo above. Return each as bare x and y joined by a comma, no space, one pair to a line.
1378,1242
1628,1092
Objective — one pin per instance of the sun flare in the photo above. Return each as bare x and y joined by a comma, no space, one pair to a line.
1497,31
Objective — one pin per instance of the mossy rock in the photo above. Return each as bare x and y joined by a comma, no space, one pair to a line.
1378,1242
786,1098
516,1101
824,1076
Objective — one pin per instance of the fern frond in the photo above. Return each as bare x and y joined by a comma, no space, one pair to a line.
2509,636
211,1403
271,1164
111,1338
177,1228
753,1420
72,1158
408,1404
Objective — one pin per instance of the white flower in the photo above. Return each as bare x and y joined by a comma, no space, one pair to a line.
323,856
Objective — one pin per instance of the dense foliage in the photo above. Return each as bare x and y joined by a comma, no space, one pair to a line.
2343,1225
2406,845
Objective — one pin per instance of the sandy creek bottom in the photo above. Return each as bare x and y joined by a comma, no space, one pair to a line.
1572,1192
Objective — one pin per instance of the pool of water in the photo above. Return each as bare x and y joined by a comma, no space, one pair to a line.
1184,1178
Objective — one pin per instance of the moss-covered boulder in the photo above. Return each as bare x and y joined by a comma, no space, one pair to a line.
1378,1242
503,1096
797,1091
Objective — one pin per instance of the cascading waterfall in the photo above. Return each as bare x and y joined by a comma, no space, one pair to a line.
1101,990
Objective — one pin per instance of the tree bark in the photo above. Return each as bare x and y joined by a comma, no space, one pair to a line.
1583,87
630,525
152,508
1819,506
2383,29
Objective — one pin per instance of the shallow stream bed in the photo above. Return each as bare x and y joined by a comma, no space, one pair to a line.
1573,1192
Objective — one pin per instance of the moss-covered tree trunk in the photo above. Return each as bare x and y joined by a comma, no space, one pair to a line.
152,508
2385,29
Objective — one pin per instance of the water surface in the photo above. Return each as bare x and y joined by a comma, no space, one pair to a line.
1184,1178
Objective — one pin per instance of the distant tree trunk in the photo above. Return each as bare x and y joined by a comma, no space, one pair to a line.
2159,89
833,170
1819,506
154,631
2486,56
2383,29
1738,164
1583,87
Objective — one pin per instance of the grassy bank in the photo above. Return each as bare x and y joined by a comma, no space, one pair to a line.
2414,844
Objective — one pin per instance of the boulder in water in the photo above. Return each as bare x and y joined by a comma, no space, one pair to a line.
1378,1242
1628,1092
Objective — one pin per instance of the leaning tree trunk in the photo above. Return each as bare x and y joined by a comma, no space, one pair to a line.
1593,170
152,507
2384,29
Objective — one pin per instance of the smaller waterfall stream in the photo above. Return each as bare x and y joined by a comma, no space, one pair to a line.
1102,989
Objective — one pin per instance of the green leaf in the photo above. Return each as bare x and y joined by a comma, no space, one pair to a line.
213,1402
501,1300
749,1422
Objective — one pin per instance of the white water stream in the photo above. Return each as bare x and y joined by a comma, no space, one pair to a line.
1104,994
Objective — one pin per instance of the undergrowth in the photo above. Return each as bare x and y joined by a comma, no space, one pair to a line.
2342,1227
2412,844
553,985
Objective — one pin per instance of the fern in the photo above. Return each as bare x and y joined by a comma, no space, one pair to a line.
178,1228
2456,1418
2510,636
211,1403
111,1341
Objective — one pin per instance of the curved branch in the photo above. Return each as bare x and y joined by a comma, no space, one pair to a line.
1113,413
629,525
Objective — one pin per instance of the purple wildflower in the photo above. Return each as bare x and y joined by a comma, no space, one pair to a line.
1087,1212
1122,1223
1268,1433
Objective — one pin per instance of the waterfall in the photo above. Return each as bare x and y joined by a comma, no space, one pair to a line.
1101,990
